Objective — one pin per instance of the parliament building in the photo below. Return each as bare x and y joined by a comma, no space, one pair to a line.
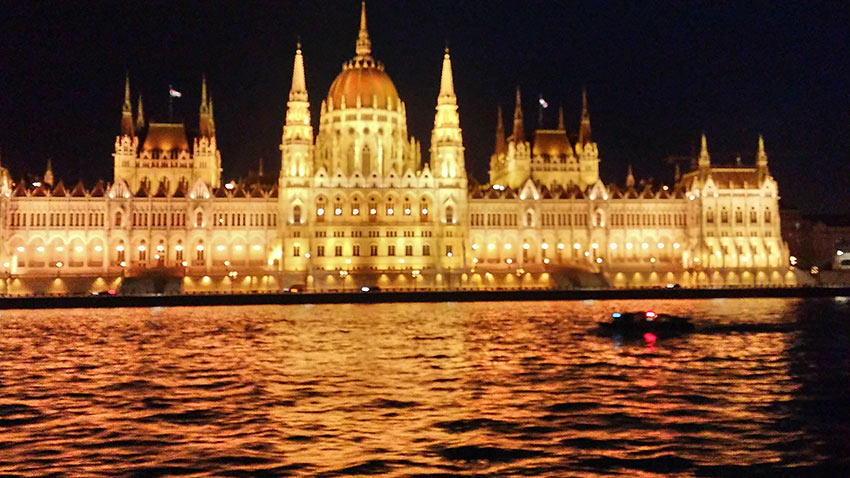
356,204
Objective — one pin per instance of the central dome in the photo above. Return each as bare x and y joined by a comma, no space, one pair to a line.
363,78
369,83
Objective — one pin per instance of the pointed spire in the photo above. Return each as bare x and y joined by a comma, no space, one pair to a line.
677,173
704,161
630,178
364,45
584,130
500,132
447,86
48,173
561,126
204,102
518,133
260,167
761,158
298,91
127,127
140,115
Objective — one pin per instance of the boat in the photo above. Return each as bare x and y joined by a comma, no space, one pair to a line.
647,325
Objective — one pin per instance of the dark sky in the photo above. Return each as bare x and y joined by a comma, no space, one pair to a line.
657,74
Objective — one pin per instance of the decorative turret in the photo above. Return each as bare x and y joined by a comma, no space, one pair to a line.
630,178
704,160
364,45
140,115
446,140
127,127
761,160
518,133
297,138
584,130
561,126
205,111
48,173
500,133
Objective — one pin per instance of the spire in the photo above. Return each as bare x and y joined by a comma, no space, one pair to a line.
500,132
298,91
48,173
127,128
260,168
584,130
761,159
364,45
140,115
561,126
447,85
518,133
704,161
205,107
630,178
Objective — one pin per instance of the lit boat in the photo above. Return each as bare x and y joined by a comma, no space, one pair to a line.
648,325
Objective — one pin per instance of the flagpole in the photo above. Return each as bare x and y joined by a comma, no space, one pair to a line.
170,104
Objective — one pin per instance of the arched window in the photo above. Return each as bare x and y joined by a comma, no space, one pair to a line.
450,215
709,216
367,155
118,219
767,217
199,219
739,216
296,214
724,216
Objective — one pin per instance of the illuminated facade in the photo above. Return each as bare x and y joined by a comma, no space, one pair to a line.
356,205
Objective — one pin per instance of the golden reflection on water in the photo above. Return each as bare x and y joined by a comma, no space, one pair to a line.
509,389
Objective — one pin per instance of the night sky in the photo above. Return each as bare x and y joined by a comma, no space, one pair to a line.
657,74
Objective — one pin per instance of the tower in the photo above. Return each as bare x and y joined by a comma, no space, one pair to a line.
206,158
127,127
586,149
761,161
296,144
704,160
446,141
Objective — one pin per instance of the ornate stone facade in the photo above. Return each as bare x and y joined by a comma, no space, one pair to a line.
356,205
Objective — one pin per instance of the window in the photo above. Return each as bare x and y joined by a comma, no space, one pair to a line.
337,251
320,212
355,250
753,216
296,251
391,250
450,215
199,253
426,250
199,219
449,250
739,216
408,250
724,216
373,250
296,215
320,251
709,216
529,219
390,208
767,216
118,218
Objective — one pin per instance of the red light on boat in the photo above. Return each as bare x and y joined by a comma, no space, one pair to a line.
650,338
111,292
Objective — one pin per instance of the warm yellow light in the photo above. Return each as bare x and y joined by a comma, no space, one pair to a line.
449,254
507,246
320,212
119,248
475,247
661,245
560,245
424,210
156,256
599,260
594,246
390,211
355,212
123,264
407,211
475,260
20,249
59,248
373,211
509,260
645,245
226,263
676,245
220,248
613,245
270,262
652,260
546,261
98,248
586,253
200,247
576,246
628,245
141,248
185,263
544,246
59,264
160,248
338,211
257,247
348,261
79,249
526,246
178,247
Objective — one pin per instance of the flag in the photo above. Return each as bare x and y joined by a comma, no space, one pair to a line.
174,93
543,103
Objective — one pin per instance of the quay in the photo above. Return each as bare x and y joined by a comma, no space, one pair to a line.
424,296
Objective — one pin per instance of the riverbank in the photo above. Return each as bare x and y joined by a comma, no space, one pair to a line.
106,301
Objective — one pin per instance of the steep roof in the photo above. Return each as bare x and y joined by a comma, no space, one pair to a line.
166,137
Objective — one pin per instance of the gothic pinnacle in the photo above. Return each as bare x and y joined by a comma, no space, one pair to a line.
364,45
447,88
518,129
298,91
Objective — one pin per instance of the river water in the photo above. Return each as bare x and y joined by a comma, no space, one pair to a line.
762,388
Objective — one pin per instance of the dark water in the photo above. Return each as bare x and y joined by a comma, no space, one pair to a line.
486,389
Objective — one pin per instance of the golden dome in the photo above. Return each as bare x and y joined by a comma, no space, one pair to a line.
369,83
